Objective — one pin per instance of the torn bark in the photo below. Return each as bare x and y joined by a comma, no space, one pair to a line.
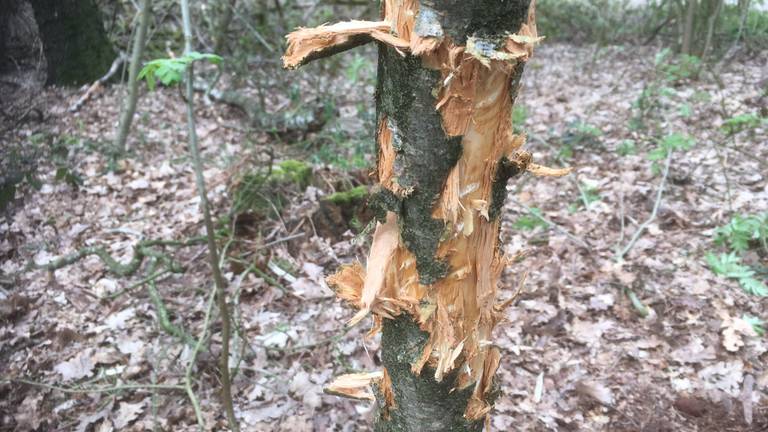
449,72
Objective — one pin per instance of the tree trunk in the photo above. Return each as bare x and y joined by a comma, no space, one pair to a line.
222,27
74,41
449,72
688,30
126,117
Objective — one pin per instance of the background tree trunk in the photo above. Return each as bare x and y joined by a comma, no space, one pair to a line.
74,41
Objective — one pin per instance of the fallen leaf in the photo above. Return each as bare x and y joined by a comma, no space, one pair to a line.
595,390
78,367
127,413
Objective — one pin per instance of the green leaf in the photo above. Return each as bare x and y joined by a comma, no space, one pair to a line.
757,324
170,71
729,266
530,222
754,286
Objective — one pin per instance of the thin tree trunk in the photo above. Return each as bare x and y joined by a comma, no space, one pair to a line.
711,21
690,13
225,19
213,254
449,73
137,54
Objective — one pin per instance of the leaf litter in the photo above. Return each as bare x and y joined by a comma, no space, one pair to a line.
576,353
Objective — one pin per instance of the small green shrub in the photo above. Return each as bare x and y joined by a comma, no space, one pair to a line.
669,143
757,324
587,196
531,221
626,147
675,69
742,122
744,232
730,266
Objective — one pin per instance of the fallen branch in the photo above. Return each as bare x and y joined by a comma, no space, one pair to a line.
141,250
98,84
162,312
652,217
102,389
307,120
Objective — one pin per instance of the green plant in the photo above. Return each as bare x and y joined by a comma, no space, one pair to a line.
729,266
588,195
669,143
685,110
580,133
356,66
742,122
265,193
349,197
626,147
531,221
676,69
757,324
170,71
742,232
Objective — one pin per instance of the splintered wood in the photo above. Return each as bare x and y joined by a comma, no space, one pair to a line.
460,311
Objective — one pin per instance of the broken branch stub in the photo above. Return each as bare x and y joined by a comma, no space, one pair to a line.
449,73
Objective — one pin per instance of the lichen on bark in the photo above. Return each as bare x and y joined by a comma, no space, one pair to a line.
424,154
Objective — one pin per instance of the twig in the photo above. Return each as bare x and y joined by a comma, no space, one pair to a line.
98,84
154,277
552,224
641,308
102,389
141,250
622,216
162,312
283,239
221,295
652,217
188,374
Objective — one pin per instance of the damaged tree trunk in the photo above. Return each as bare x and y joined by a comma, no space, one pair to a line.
449,72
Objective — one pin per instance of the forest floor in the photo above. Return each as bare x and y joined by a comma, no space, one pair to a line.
578,353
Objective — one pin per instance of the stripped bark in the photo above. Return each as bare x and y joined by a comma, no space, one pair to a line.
449,73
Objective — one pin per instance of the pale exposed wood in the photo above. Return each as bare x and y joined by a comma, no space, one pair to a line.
355,386
306,44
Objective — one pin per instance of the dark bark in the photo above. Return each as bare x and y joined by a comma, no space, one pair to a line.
422,404
425,155
74,41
